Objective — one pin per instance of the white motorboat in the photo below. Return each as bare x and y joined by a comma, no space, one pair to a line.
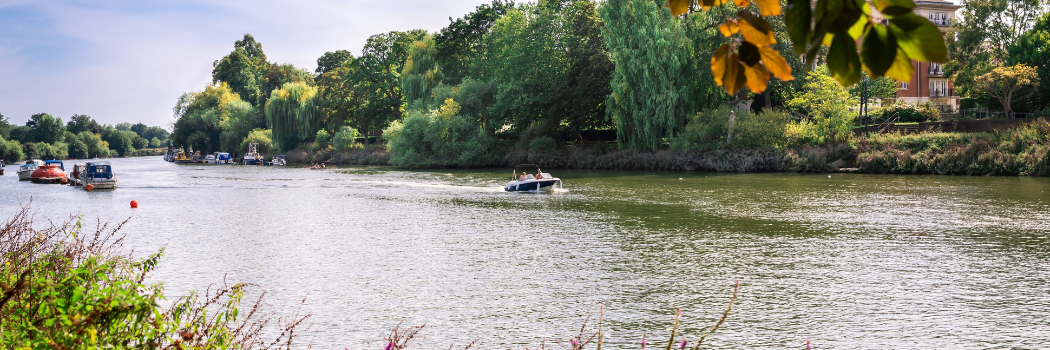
525,181
97,174
253,157
28,168
277,160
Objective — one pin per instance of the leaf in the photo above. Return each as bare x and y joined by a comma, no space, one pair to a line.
757,78
734,79
843,62
775,63
902,67
878,50
718,63
768,7
678,7
755,29
919,38
728,28
741,3
894,7
798,20
708,4
749,53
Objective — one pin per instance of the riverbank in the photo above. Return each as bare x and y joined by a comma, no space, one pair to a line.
1022,151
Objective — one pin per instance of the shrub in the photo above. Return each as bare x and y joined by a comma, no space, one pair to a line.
345,138
322,139
908,113
542,144
47,151
708,130
441,140
11,151
66,288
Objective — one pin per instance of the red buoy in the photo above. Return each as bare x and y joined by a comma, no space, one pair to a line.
89,187
134,204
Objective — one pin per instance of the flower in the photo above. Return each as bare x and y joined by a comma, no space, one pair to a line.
389,346
682,346
643,342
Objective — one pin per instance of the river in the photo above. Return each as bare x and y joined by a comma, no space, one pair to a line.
845,261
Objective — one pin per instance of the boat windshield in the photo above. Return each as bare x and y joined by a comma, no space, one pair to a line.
529,169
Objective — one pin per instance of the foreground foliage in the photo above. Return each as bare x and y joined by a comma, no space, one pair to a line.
66,287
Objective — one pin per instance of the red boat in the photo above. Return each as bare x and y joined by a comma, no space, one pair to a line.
51,172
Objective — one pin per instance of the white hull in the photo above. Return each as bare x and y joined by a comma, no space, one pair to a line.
101,185
24,175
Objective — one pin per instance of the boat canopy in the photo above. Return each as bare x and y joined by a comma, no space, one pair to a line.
99,170
528,168
56,163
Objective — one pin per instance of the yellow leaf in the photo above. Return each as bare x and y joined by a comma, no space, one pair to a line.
756,36
775,63
718,63
735,78
708,4
901,68
757,78
678,7
741,3
769,7
728,28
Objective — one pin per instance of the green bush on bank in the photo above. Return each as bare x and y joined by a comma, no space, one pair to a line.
908,113
11,151
1019,151
708,130
437,139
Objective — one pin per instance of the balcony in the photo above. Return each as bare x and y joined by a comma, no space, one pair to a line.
936,70
940,93
940,21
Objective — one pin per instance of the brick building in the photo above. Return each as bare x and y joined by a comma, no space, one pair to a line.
928,82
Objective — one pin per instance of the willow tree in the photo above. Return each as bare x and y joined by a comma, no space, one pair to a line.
651,86
421,73
292,114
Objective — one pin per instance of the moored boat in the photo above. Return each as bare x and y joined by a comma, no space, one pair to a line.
525,181
27,169
277,160
181,158
98,174
253,157
2,165
53,171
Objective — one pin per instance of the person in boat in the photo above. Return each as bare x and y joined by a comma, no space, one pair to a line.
539,176
523,177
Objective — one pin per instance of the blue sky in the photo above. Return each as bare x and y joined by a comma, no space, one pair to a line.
128,61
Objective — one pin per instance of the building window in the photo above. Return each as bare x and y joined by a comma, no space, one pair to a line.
938,88
936,69
904,86
938,18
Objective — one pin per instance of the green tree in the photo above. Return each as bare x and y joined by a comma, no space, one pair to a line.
22,133
649,97
981,35
200,117
421,73
582,101
5,126
1033,48
332,60
47,128
11,151
825,103
292,114
462,43
125,126
95,146
1002,82
243,69
81,122
279,74
155,143
379,80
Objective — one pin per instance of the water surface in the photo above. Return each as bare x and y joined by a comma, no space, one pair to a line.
846,261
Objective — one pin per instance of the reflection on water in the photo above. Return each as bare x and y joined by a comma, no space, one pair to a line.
850,261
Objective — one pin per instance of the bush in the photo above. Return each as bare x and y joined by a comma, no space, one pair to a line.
47,151
542,144
345,138
322,139
11,151
69,289
708,130
260,136
95,146
908,113
77,148
154,143
436,140
139,142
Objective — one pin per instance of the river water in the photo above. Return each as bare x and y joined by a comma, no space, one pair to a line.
845,261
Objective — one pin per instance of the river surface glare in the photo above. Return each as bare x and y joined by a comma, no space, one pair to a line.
846,261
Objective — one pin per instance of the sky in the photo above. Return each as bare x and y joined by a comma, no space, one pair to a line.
128,61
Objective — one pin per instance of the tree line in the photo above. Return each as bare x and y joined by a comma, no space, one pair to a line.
45,136
514,76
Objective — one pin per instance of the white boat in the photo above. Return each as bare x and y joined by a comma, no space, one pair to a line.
218,158
277,160
97,174
28,168
525,181
253,157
